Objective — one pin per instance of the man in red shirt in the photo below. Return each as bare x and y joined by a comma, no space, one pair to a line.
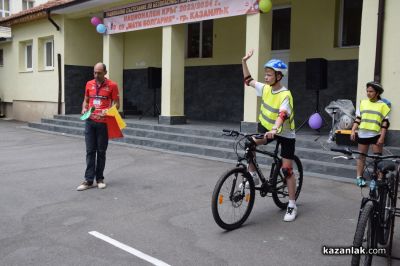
100,93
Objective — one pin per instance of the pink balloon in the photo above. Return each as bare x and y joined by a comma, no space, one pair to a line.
315,121
95,21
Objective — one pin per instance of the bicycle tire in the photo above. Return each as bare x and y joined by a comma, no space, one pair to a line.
387,202
233,197
392,222
364,225
280,194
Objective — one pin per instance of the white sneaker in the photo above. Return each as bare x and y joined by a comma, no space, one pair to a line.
85,185
256,182
290,214
101,184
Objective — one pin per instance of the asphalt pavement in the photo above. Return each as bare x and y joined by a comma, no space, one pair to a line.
156,209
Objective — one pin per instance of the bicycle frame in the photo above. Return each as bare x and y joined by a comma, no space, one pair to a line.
250,158
375,196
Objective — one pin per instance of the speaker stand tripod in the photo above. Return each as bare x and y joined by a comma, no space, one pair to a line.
316,111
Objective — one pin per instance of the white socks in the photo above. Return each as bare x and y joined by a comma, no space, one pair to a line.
292,204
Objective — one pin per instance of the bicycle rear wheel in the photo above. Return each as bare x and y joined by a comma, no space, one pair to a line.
233,198
364,236
280,193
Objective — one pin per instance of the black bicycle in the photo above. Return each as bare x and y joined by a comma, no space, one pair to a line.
376,220
234,194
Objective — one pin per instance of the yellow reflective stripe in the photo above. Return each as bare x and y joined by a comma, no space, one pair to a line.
372,113
371,121
267,119
269,108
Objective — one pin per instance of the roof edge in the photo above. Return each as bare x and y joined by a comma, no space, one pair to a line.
36,13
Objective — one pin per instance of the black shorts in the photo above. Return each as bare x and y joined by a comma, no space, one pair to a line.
287,145
368,141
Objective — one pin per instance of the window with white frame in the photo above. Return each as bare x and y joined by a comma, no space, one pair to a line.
4,8
26,4
48,54
45,53
350,23
200,39
281,29
1,57
28,57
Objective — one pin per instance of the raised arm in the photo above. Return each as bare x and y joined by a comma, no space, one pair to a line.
248,80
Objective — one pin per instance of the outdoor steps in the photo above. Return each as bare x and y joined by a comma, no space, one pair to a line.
207,143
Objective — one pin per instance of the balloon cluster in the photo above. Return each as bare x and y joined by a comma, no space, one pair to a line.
265,6
100,27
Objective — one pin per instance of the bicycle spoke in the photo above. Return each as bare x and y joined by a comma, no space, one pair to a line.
233,202
280,193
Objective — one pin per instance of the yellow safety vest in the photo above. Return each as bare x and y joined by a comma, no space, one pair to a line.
270,104
372,114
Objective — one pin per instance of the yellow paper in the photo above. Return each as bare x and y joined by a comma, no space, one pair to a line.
114,112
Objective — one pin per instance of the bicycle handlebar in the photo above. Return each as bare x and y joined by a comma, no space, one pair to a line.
348,151
234,133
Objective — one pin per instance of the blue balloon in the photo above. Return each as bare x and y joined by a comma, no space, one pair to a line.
315,121
101,28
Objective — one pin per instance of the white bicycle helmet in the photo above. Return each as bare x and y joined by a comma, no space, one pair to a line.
376,85
277,65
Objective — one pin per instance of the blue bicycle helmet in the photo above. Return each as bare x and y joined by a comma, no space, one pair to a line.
277,65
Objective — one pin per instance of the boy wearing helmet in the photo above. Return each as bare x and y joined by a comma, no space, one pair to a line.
372,122
277,121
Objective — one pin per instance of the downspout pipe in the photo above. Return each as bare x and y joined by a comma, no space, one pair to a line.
379,42
51,20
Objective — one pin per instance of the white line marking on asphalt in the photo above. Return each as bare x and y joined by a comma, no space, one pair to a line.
129,249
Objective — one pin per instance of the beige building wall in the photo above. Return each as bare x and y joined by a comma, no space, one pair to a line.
5,71
229,43
143,48
31,87
312,26
390,56
83,44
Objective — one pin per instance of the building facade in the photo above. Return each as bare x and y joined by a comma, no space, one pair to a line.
192,70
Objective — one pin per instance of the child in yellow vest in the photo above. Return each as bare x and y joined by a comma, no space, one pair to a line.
277,121
372,122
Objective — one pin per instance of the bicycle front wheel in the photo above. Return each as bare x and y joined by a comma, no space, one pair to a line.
233,198
387,202
280,193
392,222
364,236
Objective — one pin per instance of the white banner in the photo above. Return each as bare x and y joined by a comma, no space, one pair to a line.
156,13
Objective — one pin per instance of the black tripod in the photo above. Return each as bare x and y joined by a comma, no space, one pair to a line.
156,109
316,111
154,84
